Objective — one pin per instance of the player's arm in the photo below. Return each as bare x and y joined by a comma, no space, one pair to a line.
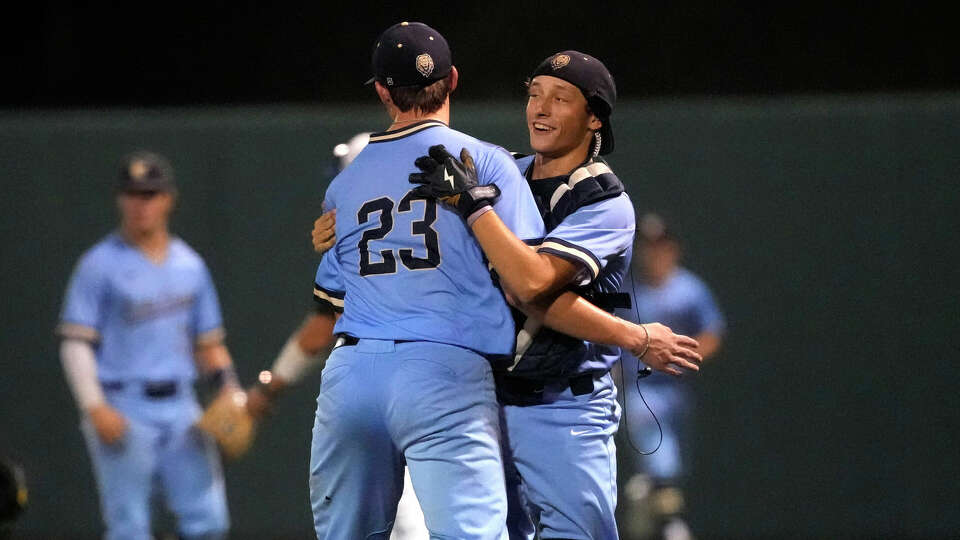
210,353
324,231
78,330
305,350
528,275
216,366
79,361
525,273
308,347
534,278
570,314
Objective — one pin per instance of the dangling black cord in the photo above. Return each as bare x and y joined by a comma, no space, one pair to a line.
641,373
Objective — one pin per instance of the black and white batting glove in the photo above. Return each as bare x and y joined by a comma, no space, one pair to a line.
454,183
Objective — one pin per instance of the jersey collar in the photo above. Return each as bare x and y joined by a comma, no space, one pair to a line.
405,131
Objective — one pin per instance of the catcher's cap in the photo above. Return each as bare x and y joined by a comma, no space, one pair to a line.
594,81
410,54
146,171
652,228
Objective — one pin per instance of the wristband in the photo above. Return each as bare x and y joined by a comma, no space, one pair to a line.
477,213
646,344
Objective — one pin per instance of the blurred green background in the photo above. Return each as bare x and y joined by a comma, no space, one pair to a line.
827,227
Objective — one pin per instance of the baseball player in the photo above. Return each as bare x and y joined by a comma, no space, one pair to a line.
409,379
308,348
559,401
665,291
140,313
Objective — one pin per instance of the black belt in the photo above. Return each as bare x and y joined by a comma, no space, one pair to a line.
346,340
151,389
579,385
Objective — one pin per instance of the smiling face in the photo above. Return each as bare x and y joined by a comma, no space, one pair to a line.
558,119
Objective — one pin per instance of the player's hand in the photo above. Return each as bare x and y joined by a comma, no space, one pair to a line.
259,402
324,232
668,352
453,182
110,425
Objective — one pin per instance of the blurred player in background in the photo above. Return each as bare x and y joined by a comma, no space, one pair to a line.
140,313
558,399
666,292
307,349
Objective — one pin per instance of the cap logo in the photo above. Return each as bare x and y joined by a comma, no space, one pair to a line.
389,81
559,61
425,64
138,170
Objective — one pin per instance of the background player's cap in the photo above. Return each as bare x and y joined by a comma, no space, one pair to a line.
410,54
146,171
652,228
594,81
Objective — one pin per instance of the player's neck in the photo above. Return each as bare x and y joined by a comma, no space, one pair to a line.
153,243
545,166
657,280
404,119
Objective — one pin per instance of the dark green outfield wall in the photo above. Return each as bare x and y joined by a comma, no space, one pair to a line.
827,226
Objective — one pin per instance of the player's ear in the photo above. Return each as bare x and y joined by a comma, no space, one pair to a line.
454,78
383,94
593,123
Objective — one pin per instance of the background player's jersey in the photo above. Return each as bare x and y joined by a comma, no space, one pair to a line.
683,302
405,268
598,238
145,317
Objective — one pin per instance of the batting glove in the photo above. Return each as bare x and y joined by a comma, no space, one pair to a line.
453,183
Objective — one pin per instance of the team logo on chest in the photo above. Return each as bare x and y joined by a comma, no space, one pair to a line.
425,64
559,61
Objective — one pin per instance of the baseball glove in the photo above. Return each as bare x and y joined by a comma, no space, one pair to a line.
228,422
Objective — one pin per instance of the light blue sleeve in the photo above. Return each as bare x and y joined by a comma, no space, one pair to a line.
207,317
328,286
516,207
708,315
593,235
84,306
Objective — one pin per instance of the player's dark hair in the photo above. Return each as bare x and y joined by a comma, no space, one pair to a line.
426,100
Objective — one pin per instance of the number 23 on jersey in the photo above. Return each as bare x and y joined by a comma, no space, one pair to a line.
384,206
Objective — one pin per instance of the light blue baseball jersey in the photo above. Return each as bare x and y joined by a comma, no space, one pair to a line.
598,238
406,268
683,302
146,317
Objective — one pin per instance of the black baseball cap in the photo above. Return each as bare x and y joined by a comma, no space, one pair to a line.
410,54
594,81
146,171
